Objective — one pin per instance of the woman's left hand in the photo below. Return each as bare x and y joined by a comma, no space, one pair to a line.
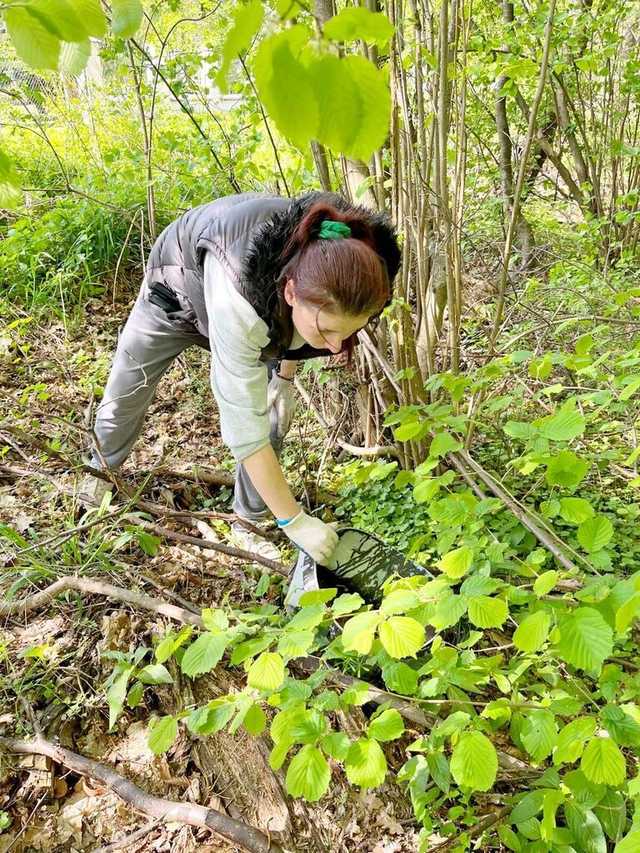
281,403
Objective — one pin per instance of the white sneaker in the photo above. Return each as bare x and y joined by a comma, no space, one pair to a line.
250,541
304,578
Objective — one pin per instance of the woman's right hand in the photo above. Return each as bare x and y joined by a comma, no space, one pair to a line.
314,537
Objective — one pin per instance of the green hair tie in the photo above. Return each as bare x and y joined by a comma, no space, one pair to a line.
332,230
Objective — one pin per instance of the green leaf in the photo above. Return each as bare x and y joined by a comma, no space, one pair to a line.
586,829
474,762
621,726
117,692
629,844
627,613
93,18
595,533
439,770
282,722
541,368
340,108
584,344
171,643
358,632
212,717
611,811
74,57
162,734
509,838
347,603
545,583
34,43
633,384
359,23
571,740
294,644
520,429
399,601
426,489
552,802
457,563
400,678
59,18
255,720
204,654
585,793
564,425
479,585
602,762
405,432
214,619
575,510
531,634
317,596
357,694
585,639
126,17
135,694
336,744
266,672
402,636
372,127
449,610
286,87
386,726
365,764
487,612
9,191
539,733
247,20
250,648
155,673
308,775
308,726
528,806
566,469
442,444
550,508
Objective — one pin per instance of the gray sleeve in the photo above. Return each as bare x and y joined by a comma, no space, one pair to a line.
238,377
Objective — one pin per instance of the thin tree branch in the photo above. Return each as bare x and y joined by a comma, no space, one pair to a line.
248,837
98,587
517,196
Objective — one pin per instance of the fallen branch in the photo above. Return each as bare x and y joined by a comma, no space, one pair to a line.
97,587
120,514
474,831
121,843
198,475
549,540
191,814
407,709
207,545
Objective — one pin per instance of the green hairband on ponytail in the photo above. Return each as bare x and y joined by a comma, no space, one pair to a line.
332,230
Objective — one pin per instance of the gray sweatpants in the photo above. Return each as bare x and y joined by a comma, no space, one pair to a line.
147,345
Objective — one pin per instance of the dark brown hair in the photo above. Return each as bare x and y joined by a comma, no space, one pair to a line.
348,274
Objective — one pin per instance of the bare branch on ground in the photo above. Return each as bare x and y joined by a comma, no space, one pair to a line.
191,814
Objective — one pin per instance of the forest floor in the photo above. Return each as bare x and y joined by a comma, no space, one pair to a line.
52,660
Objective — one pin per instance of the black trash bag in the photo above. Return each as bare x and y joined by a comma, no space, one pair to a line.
363,563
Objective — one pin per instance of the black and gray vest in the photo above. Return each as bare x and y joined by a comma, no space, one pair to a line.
247,233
